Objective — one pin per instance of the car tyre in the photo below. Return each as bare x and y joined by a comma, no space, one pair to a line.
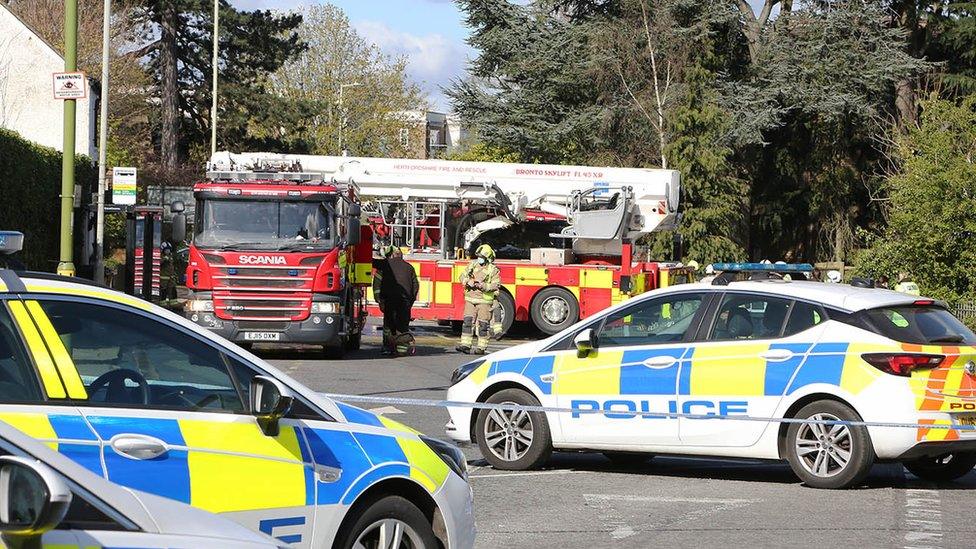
336,351
942,468
829,456
554,309
354,342
513,440
382,520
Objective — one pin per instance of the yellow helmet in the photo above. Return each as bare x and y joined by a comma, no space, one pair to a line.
486,252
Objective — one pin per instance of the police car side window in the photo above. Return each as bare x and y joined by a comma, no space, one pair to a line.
663,320
17,380
745,317
127,359
803,317
299,410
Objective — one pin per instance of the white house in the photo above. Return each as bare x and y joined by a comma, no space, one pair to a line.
27,104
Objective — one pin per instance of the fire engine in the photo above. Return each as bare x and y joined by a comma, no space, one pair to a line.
274,257
564,234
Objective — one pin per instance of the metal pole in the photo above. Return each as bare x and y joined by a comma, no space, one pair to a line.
65,265
213,107
342,117
102,149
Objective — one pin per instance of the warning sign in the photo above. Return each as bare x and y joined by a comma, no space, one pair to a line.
70,85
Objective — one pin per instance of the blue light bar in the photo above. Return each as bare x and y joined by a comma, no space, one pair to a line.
762,267
11,242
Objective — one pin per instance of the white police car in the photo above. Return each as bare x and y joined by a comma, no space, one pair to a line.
153,402
47,498
768,348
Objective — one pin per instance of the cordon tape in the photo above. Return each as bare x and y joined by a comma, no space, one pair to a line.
431,403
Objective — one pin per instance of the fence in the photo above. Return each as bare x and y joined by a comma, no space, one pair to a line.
966,312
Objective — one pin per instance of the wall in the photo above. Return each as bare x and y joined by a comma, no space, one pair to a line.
27,104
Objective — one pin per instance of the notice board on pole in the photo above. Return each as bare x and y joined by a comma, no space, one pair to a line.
124,186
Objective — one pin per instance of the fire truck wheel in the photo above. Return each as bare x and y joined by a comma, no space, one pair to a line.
554,309
508,313
353,343
334,352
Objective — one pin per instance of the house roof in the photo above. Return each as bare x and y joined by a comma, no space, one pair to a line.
6,7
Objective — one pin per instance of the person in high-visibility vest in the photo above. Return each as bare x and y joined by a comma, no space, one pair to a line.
906,285
481,281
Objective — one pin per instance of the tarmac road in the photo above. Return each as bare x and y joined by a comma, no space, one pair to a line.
581,500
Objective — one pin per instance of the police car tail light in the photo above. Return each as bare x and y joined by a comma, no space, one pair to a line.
902,364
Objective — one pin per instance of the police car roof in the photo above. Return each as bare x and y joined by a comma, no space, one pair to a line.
842,296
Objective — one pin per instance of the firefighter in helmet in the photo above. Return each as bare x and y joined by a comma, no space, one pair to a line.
397,291
481,281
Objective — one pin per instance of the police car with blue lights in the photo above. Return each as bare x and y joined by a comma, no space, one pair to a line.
153,402
670,372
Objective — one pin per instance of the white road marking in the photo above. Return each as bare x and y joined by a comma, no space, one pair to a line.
528,474
387,410
621,530
923,517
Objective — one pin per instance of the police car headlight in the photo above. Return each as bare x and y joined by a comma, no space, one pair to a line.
465,370
451,455
199,305
325,307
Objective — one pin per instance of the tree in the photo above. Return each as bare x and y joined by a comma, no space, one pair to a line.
177,44
931,219
376,90
128,106
530,90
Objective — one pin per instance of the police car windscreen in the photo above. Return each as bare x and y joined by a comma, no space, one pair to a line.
920,324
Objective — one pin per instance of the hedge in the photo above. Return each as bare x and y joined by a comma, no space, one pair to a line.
30,184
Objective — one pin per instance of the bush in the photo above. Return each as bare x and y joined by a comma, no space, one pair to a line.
30,187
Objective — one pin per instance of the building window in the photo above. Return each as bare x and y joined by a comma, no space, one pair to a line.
405,138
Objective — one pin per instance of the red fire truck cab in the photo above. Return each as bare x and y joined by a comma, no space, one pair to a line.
274,258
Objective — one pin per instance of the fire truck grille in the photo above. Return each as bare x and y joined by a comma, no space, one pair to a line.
260,308
238,277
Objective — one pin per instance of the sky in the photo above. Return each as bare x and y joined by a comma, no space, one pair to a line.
430,34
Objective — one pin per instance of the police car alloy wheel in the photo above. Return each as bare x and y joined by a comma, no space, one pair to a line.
513,439
942,468
825,455
390,523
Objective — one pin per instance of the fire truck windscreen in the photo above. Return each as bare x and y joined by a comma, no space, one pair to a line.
264,224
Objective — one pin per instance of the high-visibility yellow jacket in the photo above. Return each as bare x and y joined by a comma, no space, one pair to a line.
488,280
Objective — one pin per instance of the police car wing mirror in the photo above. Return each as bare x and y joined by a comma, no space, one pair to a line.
33,500
270,401
586,342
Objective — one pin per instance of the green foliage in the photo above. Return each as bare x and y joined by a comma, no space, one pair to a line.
931,218
480,152
30,186
371,116
529,90
712,196
252,45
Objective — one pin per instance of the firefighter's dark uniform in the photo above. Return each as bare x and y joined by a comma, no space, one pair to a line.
398,290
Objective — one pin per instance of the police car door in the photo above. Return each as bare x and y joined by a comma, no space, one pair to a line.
37,387
173,421
750,351
635,369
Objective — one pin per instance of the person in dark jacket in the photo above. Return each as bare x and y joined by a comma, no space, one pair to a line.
398,291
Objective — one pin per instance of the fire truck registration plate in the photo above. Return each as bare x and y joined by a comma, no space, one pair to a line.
262,336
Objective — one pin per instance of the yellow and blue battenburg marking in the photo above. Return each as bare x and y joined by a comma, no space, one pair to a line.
223,466
622,372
